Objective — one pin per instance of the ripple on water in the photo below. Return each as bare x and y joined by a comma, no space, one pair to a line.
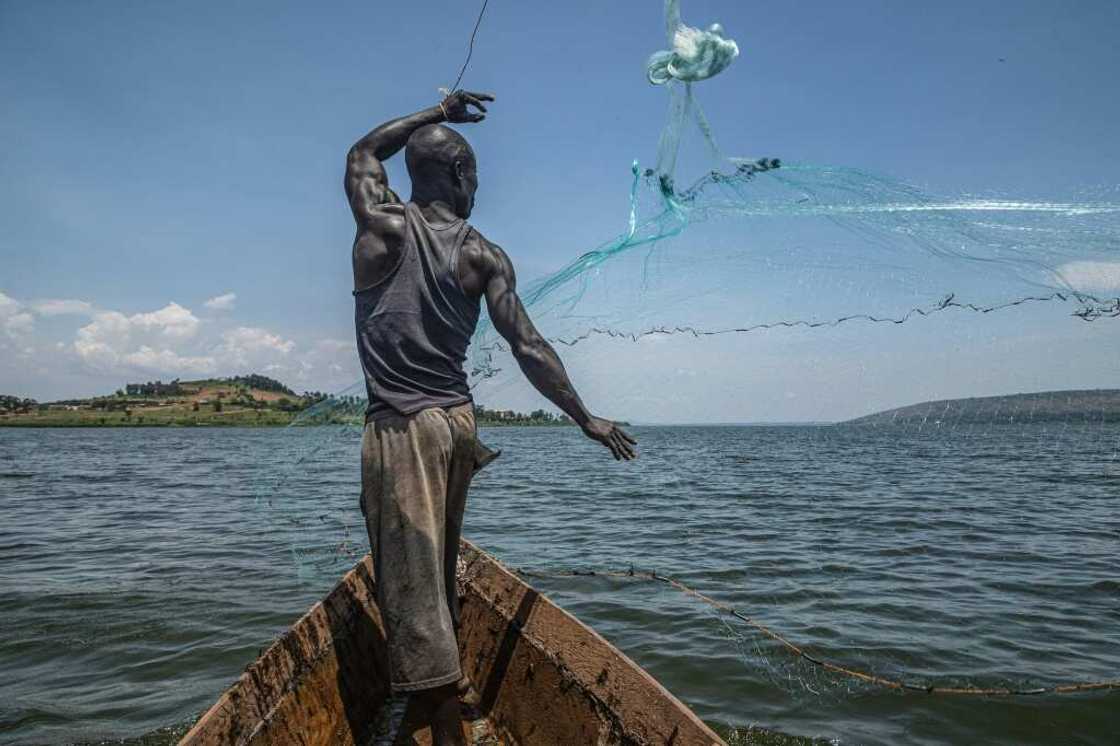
141,574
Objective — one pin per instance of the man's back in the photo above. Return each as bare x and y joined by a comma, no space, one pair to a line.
420,272
444,177
414,322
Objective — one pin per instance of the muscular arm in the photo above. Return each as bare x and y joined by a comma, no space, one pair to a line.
539,361
367,186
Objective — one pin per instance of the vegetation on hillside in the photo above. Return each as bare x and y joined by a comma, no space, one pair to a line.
498,417
244,401
251,400
1089,406
253,381
16,405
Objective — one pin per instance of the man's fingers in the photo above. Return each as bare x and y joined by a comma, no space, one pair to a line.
481,96
621,445
475,117
614,449
472,99
626,436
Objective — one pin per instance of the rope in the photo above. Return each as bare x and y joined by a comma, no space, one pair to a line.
470,51
800,652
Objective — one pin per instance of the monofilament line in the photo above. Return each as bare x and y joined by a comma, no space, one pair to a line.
470,49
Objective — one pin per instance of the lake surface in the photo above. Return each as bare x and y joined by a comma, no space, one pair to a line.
141,570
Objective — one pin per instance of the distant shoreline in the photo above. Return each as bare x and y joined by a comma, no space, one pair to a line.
241,401
1096,406
255,401
28,422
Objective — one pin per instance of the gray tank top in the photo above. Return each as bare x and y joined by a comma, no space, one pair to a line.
415,324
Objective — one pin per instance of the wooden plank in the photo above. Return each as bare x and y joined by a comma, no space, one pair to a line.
544,677
323,681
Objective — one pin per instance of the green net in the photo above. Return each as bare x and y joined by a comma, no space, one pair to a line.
751,288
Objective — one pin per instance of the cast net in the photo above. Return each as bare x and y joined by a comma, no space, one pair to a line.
758,288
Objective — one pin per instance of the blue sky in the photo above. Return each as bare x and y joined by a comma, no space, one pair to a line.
162,155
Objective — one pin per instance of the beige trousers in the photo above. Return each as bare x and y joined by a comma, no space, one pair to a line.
415,473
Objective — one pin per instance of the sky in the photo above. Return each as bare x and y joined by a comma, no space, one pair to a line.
171,195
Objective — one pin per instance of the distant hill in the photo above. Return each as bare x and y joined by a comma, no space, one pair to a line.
1092,405
251,382
251,400
244,401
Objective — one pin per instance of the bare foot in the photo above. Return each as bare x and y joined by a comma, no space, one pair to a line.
468,695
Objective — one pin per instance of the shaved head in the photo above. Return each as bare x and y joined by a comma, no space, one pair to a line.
434,148
442,167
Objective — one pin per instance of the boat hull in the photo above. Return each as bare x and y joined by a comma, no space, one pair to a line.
542,676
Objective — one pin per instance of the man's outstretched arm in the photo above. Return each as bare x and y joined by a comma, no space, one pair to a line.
539,361
367,186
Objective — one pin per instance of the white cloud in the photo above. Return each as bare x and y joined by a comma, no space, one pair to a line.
250,346
8,305
167,341
221,302
99,343
14,320
19,325
170,321
1089,276
147,358
143,340
110,346
62,307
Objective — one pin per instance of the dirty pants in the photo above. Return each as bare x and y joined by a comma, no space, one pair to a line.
415,473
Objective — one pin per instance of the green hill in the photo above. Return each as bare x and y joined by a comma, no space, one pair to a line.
251,400
243,401
1090,406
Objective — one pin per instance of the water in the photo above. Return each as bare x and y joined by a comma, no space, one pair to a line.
137,578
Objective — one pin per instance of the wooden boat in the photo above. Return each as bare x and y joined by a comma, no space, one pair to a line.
542,677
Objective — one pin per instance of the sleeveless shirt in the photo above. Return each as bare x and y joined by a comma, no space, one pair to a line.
414,325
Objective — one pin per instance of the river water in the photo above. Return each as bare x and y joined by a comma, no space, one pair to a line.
142,569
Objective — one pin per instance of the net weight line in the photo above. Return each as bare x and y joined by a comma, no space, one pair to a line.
1092,308
800,652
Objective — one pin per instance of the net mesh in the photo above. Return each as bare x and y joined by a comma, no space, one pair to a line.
744,272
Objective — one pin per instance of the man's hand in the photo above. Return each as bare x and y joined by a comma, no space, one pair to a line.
456,106
613,437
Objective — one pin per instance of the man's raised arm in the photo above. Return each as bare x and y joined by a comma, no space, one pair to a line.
367,186
539,361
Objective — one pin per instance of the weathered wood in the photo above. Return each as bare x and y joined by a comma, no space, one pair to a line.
543,677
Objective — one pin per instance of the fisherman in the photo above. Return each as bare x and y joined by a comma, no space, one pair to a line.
420,273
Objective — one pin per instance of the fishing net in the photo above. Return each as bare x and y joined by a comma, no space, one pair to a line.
760,288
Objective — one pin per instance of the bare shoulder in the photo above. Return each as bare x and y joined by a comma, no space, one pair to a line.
378,244
481,261
483,253
371,199
386,218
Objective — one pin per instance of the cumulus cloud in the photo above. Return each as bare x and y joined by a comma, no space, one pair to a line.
172,321
62,307
166,342
146,358
223,302
113,339
15,321
250,346
1089,276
